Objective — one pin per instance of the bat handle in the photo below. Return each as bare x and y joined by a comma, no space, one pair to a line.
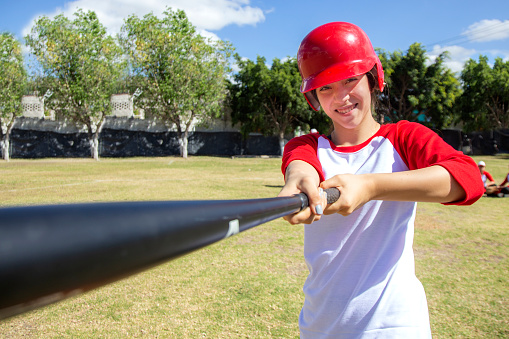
332,196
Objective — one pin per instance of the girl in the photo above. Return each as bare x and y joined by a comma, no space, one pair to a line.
358,250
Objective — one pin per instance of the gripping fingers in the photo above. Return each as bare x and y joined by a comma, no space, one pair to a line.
312,209
323,197
312,212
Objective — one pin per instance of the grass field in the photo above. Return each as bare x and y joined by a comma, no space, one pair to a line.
250,285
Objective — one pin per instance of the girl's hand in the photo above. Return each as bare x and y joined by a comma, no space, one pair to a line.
317,201
355,191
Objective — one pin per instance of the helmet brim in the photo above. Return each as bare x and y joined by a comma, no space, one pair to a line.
332,74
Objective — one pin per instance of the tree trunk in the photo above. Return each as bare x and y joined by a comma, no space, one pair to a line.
282,142
183,142
93,138
6,141
182,136
94,147
5,148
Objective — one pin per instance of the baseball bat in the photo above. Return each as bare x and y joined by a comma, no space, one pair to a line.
49,253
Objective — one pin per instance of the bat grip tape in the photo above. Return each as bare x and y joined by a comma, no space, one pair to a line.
332,196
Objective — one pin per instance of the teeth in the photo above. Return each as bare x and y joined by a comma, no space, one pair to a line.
346,110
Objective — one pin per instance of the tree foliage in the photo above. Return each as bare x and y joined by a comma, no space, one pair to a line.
416,91
13,80
484,103
81,65
181,73
183,78
268,100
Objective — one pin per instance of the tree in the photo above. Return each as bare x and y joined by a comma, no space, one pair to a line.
415,91
268,100
484,104
13,81
81,65
181,73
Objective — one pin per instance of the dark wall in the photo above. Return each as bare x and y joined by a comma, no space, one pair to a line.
452,137
216,143
125,143
478,143
128,143
487,142
259,144
44,144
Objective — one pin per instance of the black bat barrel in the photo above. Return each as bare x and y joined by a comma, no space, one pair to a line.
49,253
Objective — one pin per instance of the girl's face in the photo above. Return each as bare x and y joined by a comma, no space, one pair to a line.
347,102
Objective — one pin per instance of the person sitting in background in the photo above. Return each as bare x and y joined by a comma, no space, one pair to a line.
490,187
504,186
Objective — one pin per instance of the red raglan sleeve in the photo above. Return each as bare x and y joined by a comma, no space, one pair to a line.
303,148
420,147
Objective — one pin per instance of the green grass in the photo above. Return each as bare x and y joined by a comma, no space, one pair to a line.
250,285
462,259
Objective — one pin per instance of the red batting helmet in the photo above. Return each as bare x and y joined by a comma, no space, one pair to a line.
333,52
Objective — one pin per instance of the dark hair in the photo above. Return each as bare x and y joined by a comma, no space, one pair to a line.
373,86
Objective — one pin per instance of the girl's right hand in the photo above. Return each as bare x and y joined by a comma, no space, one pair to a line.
316,197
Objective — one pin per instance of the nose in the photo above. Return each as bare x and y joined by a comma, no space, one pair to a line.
341,93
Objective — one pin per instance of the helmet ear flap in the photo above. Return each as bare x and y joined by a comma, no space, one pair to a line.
312,100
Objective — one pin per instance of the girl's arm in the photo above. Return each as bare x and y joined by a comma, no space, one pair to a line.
430,184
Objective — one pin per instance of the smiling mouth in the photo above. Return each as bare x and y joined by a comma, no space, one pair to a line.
346,109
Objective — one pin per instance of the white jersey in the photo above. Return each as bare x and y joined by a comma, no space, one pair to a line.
362,279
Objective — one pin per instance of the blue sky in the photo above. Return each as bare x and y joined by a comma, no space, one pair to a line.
274,29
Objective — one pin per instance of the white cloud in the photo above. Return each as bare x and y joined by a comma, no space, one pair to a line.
215,14
457,56
487,30
482,31
206,15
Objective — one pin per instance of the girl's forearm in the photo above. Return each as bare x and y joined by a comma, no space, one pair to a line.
431,184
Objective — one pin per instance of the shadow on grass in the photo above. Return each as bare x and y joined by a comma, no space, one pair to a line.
274,186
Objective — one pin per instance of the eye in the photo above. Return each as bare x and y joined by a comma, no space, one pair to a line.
324,88
351,80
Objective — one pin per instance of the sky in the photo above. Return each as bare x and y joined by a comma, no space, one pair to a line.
274,29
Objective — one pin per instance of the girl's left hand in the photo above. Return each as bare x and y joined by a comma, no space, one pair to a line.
355,191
